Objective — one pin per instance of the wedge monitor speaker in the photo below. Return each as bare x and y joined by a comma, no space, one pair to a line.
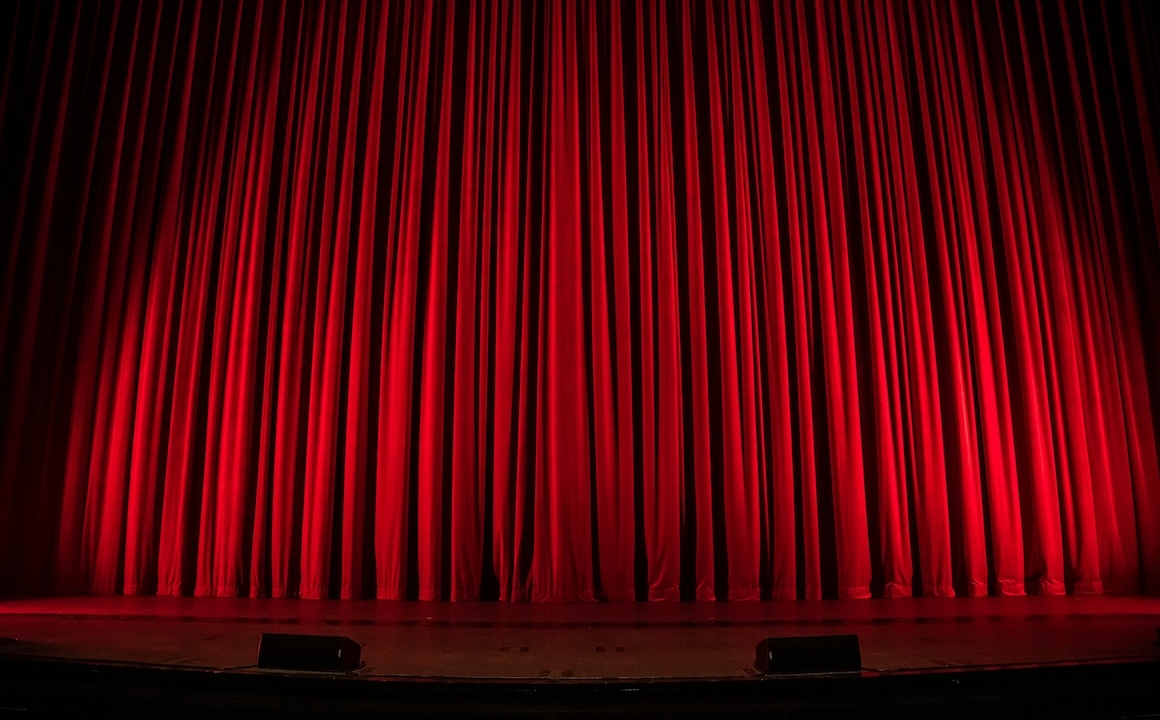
316,653
822,654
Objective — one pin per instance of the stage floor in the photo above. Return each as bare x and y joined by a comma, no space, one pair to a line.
550,643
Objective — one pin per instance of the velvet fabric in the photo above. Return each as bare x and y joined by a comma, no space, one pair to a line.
572,301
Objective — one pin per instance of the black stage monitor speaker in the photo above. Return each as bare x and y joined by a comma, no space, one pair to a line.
817,654
319,653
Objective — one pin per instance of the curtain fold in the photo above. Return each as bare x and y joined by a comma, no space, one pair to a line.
577,301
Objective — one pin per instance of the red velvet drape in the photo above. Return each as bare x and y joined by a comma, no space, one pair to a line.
580,300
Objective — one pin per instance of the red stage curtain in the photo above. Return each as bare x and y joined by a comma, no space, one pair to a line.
579,300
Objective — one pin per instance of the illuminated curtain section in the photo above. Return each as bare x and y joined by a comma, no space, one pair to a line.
580,300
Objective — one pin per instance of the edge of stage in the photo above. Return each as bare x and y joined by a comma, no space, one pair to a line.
1075,656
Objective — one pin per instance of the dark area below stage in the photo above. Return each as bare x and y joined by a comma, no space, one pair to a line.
37,688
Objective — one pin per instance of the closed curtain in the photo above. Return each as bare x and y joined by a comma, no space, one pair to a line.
571,301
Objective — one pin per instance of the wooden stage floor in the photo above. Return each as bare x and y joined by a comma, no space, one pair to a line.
533,646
